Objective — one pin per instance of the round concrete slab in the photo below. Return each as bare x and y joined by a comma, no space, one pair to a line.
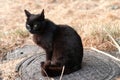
24,51
96,66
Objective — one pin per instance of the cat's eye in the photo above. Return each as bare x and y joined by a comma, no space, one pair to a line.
35,27
28,27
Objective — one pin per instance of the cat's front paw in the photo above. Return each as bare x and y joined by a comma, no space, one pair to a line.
45,64
42,64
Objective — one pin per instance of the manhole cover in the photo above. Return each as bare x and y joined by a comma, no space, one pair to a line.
96,66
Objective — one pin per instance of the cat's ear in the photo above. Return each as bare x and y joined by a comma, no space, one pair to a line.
42,16
28,14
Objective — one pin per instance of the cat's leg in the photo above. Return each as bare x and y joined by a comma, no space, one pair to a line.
46,63
48,58
48,55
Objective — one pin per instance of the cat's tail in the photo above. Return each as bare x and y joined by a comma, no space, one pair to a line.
53,71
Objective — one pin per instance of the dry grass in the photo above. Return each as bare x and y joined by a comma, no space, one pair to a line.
88,17
8,69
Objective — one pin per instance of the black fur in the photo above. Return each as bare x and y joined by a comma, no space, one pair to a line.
62,44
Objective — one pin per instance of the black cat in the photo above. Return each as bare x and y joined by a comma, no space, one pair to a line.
62,44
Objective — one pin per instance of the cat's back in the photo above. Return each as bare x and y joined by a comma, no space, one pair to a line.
68,36
66,32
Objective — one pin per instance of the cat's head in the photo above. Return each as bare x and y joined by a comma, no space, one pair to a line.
35,23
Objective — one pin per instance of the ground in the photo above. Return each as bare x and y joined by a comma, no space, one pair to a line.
88,17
